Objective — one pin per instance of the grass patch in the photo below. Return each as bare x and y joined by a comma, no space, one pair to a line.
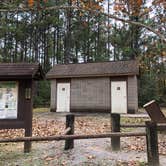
125,120
40,110
13,154
133,163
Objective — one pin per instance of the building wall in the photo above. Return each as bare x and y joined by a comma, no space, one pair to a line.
90,94
53,95
132,94
93,94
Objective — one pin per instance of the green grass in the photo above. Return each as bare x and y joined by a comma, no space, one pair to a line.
126,120
40,110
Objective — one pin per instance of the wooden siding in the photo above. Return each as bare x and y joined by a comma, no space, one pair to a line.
93,94
53,95
132,94
90,93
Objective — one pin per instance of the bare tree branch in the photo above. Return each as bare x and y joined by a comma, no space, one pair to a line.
161,36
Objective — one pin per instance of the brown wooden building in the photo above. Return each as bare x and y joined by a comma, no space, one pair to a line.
103,86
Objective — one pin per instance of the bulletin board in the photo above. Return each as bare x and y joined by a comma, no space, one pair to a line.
8,99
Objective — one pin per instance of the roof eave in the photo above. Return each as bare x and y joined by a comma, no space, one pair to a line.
49,77
13,77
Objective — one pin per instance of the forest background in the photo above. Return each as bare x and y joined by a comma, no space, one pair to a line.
79,31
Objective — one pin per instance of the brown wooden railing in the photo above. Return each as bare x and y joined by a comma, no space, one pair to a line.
69,137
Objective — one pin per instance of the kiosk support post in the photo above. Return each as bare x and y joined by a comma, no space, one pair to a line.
28,118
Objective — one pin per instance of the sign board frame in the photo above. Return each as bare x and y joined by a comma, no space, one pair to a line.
25,74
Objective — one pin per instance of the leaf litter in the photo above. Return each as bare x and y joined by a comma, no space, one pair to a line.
49,153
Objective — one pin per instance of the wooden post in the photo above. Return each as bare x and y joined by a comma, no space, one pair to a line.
152,144
115,126
28,144
28,116
69,143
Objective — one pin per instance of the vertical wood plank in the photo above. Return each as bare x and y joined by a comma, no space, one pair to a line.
115,126
27,144
28,116
152,144
69,144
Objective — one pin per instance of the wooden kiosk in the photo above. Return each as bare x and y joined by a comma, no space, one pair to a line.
16,96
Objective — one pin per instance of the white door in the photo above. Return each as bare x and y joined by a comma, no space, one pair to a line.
63,97
118,97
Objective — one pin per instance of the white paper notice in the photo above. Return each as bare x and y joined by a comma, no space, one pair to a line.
8,99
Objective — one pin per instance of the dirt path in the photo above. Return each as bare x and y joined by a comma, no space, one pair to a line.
90,152
94,152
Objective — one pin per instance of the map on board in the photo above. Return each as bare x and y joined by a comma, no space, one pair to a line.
8,99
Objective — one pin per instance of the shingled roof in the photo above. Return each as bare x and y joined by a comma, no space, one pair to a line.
21,71
112,68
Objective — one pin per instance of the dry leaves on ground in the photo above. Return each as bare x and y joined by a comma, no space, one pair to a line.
83,125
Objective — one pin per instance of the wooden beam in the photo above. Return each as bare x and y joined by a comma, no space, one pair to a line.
65,137
152,144
12,124
67,131
115,126
160,126
154,111
132,125
69,143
